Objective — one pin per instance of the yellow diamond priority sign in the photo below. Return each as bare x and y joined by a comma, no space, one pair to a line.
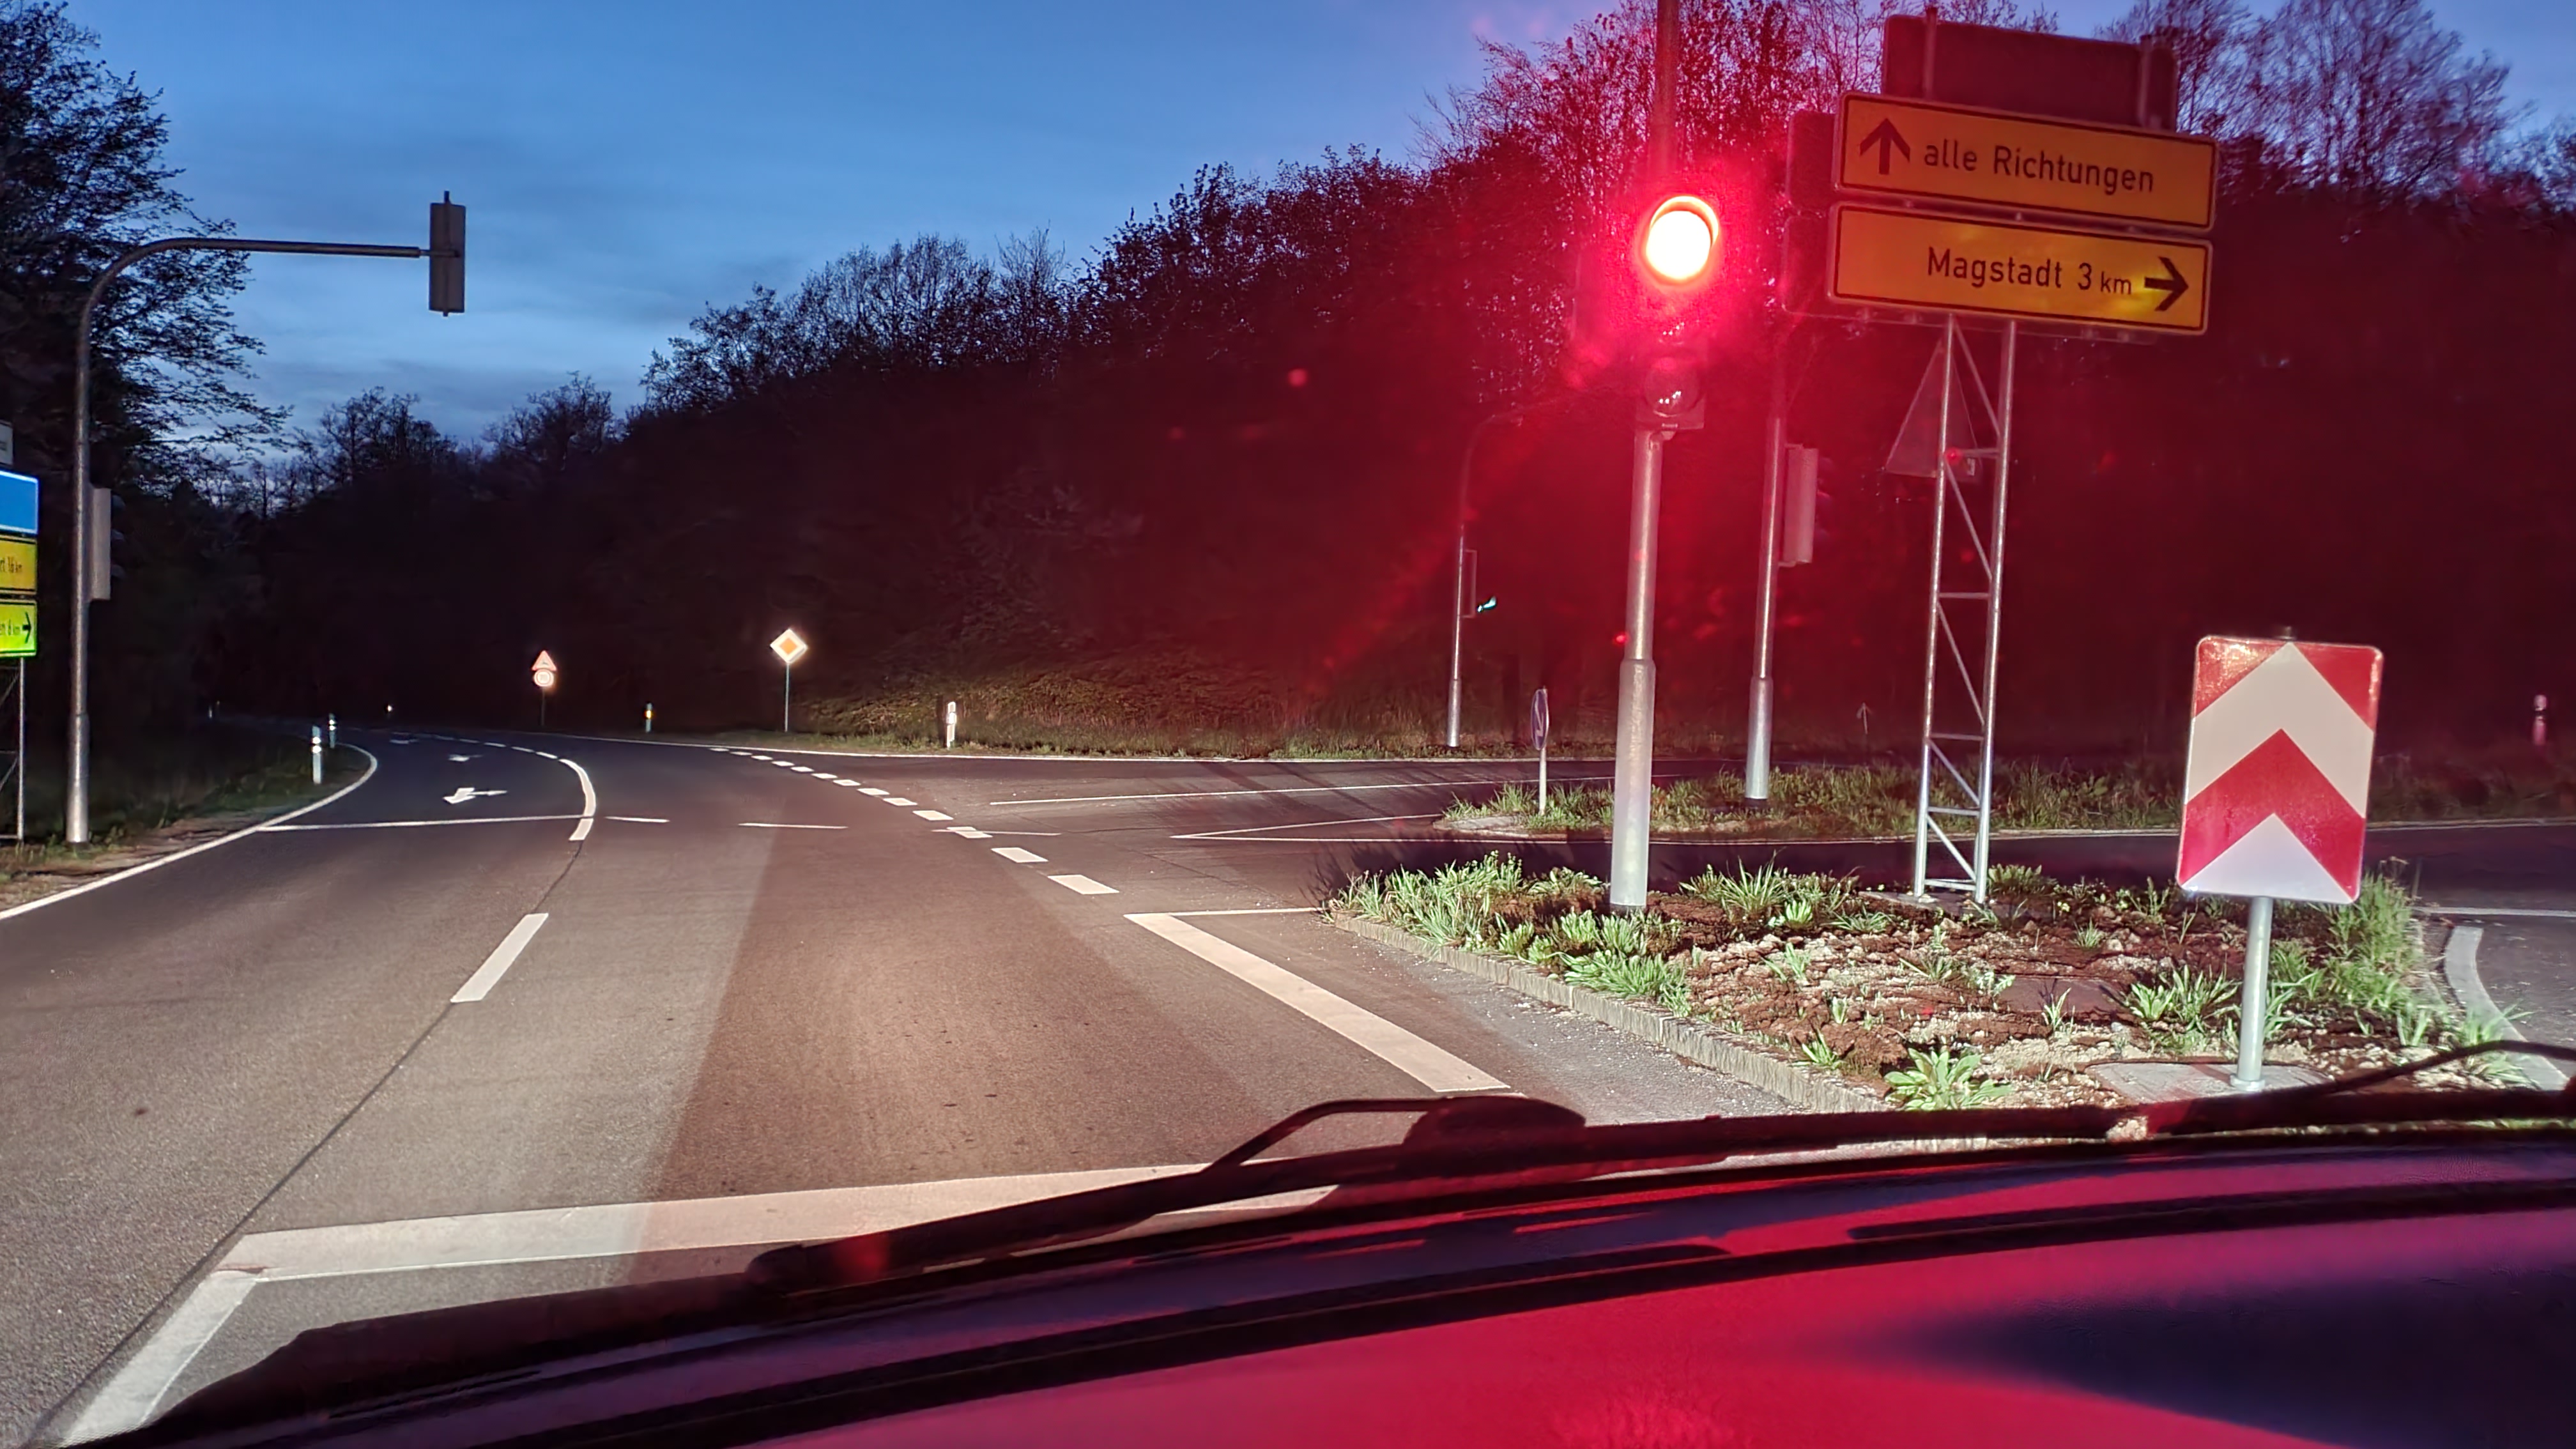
789,646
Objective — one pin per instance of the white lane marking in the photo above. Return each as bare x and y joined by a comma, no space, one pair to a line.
802,769
967,832
461,759
463,793
870,790
1249,832
1401,1049
833,779
1083,885
416,824
760,757
934,815
556,1234
641,819
2517,912
1048,834
488,975
546,754
2460,965
129,1400
589,797
852,784
158,861
896,800
1280,790
1017,856
1247,911
786,825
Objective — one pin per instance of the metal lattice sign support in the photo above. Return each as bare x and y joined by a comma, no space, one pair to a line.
1971,476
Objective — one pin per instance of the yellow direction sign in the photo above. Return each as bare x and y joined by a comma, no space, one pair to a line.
1945,264
17,628
2021,163
17,565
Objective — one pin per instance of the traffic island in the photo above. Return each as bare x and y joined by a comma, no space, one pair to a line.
1839,997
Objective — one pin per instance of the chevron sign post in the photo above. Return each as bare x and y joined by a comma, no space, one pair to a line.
2276,790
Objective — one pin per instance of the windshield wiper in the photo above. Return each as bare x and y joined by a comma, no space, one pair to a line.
1500,1142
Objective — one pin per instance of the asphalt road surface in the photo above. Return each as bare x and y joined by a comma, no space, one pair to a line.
524,1013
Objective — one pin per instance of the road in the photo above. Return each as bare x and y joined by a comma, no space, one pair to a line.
521,1013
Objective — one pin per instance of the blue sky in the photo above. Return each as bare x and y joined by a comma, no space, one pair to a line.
627,163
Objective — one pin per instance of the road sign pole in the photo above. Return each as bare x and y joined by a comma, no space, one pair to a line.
1757,731
786,698
1632,773
2250,1001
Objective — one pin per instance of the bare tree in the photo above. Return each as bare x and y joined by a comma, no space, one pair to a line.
2372,96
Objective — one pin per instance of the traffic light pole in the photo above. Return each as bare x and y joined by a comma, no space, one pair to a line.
1632,775
1757,732
76,792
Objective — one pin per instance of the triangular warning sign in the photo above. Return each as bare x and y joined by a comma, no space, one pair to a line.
1917,453
545,661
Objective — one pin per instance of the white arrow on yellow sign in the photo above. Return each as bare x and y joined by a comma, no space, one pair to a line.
1916,259
2022,163
17,628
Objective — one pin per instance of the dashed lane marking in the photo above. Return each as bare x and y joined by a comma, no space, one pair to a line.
488,975
934,815
1017,856
1083,885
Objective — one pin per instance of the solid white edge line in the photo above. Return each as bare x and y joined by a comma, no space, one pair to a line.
159,861
1392,1044
1232,831
1246,911
488,975
1083,885
128,1400
2460,965
417,824
784,825
1282,790
639,819
2515,912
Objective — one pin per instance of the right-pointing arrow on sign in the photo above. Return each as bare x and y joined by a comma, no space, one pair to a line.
2171,284
1887,139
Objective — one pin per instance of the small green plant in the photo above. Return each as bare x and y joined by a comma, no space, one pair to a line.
1769,898
1820,1055
2089,936
2187,1013
1789,964
1982,978
1840,1008
1864,922
1941,1080
2053,1015
2018,883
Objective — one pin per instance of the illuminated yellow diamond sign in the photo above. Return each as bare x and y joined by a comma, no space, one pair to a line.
789,646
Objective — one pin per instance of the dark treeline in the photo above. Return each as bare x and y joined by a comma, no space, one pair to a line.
1233,432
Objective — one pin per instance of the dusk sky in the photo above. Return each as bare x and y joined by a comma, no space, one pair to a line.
626,164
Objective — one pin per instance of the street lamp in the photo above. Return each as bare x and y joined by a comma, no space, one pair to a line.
446,253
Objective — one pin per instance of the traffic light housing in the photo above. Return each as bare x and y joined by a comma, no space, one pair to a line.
1678,247
446,255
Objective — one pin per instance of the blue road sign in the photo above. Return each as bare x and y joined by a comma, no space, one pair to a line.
17,504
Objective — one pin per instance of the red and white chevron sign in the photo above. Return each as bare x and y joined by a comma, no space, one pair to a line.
2276,790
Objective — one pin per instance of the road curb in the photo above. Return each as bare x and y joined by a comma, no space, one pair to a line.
2460,967
1798,1087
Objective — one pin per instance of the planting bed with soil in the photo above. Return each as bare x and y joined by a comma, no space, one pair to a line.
2008,1004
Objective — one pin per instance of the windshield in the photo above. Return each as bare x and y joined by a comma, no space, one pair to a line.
942,610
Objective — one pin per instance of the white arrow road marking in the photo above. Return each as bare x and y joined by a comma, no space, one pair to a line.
468,792
1401,1049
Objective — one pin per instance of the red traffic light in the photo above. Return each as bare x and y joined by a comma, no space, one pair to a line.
1679,242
